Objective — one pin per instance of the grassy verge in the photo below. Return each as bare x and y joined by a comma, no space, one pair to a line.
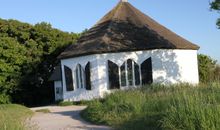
160,108
70,103
43,110
12,117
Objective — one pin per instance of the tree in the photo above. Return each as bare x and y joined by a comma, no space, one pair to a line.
27,57
215,5
208,69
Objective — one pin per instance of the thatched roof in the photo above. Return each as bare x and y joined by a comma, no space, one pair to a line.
124,29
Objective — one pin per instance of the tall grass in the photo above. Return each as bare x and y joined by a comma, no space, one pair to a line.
13,117
159,107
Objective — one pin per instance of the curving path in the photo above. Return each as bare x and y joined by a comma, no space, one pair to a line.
62,118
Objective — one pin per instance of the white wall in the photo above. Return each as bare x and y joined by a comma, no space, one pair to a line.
169,66
81,94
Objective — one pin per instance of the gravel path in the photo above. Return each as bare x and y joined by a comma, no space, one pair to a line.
62,118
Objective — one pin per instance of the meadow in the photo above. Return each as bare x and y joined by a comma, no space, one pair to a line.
158,107
14,117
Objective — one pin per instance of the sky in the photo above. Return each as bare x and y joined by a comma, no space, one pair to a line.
191,19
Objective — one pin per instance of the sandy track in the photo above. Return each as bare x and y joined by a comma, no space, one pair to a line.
62,118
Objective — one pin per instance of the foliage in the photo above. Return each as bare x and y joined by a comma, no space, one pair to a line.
27,57
13,117
159,107
215,5
208,69
4,99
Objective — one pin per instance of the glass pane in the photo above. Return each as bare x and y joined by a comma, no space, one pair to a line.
77,76
137,74
123,75
130,73
80,76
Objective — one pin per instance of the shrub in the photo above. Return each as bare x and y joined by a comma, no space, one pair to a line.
4,99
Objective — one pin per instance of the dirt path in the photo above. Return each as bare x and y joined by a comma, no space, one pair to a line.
62,118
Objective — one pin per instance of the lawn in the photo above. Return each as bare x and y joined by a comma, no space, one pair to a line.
158,107
13,117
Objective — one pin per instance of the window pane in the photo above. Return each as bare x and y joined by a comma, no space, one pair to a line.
130,73
137,74
123,75
77,76
81,76
68,78
113,75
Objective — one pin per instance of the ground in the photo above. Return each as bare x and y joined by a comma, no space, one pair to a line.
62,118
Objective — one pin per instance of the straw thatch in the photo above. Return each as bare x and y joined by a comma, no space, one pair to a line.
124,29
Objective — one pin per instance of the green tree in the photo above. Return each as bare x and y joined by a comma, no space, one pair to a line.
215,5
27,57
207,68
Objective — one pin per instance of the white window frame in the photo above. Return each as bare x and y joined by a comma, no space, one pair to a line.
126,75
79,70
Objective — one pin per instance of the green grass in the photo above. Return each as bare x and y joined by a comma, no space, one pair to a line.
13,117
70,103
43,110
158,107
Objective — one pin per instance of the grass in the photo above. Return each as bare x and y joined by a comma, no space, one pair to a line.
70,103
43,110
158,107
13,117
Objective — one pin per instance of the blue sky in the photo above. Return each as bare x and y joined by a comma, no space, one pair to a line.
191,19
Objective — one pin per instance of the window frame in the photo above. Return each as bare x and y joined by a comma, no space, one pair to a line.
80,77
126,74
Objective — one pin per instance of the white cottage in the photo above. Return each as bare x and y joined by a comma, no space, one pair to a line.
126,48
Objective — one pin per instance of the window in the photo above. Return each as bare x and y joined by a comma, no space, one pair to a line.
80,77
113,72
68,79
130,74
87,73
146,72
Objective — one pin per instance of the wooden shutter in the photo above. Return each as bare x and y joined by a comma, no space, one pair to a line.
113,72
136,74
146,72
88,75
68,79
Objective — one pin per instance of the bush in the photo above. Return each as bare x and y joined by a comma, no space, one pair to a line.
4,99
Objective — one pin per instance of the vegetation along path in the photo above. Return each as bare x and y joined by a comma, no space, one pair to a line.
62,118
